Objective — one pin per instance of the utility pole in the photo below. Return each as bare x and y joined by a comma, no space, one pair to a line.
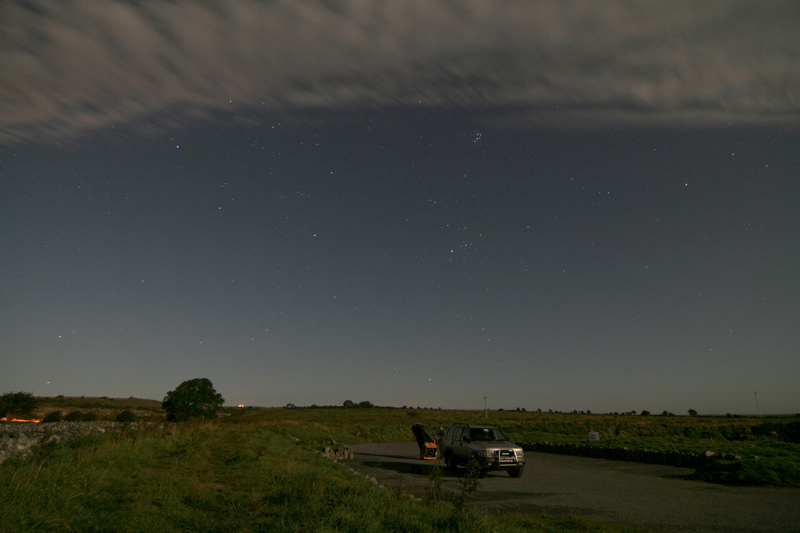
758,409
485,412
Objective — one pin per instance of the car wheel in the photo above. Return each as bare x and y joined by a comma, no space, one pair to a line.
515,472
450,461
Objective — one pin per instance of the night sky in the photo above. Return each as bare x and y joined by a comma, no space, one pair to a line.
553,205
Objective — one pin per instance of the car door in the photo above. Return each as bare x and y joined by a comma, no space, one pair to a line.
462,446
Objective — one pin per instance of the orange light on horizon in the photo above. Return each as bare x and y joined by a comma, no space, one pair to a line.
4,419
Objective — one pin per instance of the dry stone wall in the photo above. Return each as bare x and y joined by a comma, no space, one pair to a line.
17,439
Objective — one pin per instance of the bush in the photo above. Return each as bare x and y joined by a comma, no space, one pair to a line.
125,417
789,432
53,416
753,471
74,416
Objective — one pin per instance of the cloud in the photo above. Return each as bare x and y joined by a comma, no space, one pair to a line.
68,67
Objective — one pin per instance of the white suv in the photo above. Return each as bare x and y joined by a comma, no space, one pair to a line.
486,443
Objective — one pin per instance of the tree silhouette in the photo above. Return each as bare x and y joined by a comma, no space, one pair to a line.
193,398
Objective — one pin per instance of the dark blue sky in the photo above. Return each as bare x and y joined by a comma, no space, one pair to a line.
478,224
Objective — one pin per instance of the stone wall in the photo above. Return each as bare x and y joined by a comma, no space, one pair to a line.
17,439
338,452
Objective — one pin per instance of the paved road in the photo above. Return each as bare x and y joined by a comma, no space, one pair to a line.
652,496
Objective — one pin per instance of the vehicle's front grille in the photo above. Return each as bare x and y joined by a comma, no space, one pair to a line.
507,456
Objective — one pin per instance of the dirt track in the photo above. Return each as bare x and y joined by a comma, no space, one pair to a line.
652,496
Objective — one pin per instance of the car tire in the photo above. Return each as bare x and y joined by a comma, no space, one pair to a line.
516,472
450,461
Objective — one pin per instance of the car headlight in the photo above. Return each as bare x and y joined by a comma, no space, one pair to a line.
519,453
489,453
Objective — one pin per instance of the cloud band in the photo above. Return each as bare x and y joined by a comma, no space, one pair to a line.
69,67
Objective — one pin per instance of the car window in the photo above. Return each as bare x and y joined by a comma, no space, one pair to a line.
481,434
498,435
486,434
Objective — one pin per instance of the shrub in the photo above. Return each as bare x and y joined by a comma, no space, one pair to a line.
74,416
754,471
468,484
125,417
53,416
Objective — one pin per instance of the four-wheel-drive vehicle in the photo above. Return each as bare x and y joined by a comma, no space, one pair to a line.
486,443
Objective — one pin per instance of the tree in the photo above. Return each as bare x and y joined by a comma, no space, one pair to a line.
193,398
348,404
18,403
692,412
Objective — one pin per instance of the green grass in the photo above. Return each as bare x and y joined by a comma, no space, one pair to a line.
223,476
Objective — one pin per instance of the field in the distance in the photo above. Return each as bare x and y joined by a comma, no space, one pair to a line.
766,449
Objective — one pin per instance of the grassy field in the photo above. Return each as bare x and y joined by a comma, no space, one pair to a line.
767,449
258,469
103,408
244,475
102,403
